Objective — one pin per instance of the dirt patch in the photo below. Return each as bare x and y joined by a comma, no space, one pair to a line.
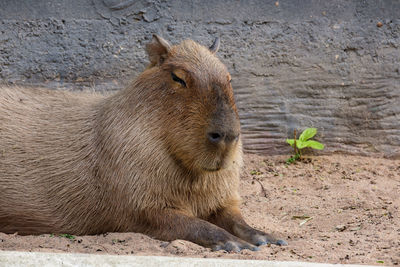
336,209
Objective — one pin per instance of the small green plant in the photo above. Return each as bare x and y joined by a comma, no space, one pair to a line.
71,237
303,142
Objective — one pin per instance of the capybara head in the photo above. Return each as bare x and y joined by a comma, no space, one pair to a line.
200,121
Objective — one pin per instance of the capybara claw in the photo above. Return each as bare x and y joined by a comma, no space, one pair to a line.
281,242
261,243
216,248
265,239
255,249
233,246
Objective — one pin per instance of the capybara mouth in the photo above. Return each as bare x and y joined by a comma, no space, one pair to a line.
217,166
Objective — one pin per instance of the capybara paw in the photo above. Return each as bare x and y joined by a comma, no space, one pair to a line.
234,246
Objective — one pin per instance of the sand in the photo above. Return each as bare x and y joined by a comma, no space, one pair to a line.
331,208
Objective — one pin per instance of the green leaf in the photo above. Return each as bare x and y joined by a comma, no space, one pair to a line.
314,144
307,134
300,144
290,141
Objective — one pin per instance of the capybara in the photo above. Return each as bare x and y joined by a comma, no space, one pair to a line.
160,157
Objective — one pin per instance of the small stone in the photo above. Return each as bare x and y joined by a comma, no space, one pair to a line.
354,229
340,228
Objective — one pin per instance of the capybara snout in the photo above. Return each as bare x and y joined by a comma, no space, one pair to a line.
224,126
223,130
160,157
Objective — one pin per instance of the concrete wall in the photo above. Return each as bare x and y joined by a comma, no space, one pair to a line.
334,65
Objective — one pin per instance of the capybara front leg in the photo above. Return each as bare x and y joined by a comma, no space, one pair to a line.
231,220
171,225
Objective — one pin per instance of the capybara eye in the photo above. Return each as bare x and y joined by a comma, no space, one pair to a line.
178,80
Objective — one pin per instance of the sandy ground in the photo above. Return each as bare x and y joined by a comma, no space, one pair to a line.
335,209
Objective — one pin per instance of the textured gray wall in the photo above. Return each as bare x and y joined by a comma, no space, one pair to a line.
296,64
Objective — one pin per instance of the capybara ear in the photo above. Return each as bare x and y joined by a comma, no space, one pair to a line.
157,50
215,46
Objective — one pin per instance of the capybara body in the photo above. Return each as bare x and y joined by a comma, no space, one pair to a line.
160,157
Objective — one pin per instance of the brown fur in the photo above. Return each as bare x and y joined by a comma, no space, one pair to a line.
138,160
